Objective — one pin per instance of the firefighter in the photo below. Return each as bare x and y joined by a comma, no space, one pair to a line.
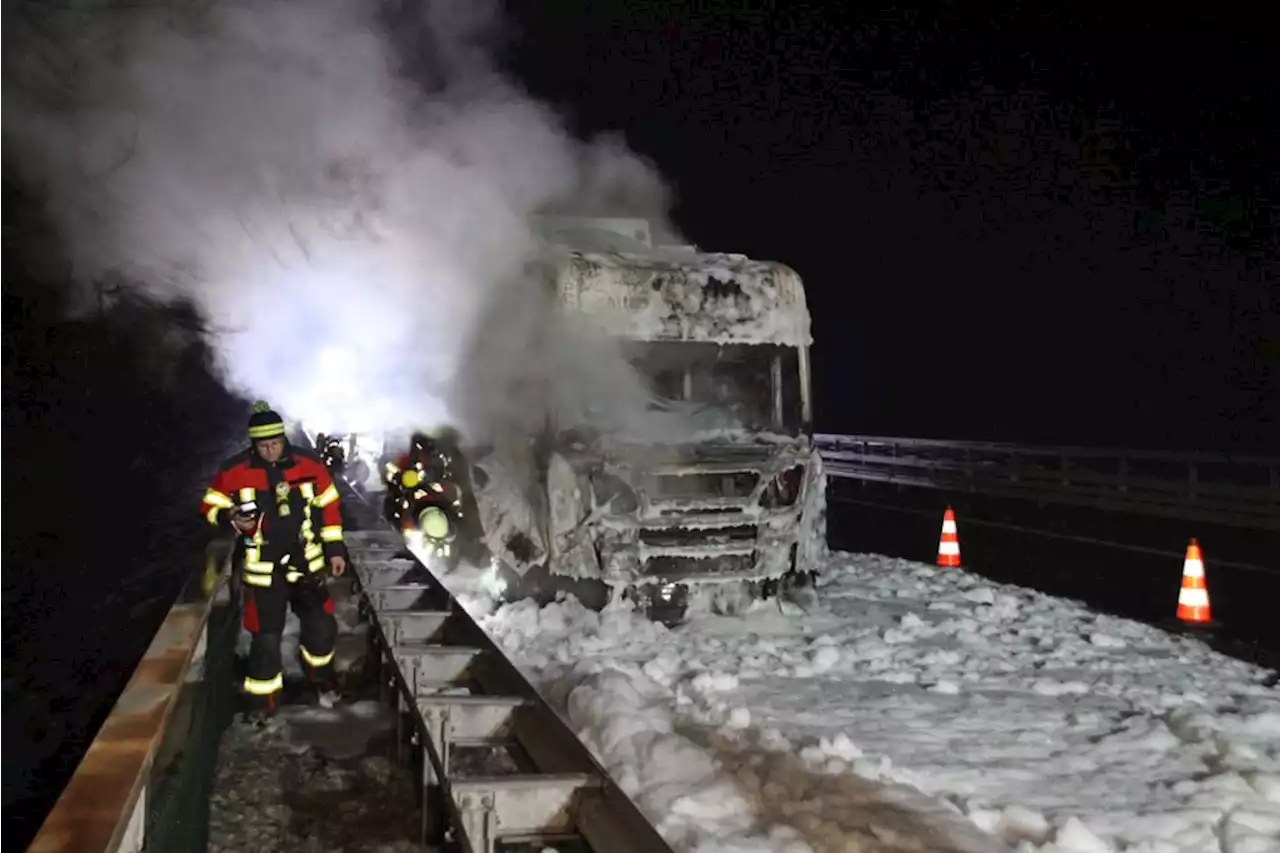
446,445
283,504
419,455
408,472
423,496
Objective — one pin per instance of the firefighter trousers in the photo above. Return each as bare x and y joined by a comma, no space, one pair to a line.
264,618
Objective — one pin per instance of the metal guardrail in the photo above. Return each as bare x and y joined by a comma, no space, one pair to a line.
1217,488
446,676
123,790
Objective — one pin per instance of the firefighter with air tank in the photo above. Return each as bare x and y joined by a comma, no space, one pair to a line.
427,492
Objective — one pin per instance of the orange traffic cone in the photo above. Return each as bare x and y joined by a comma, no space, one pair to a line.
949,544
1193,598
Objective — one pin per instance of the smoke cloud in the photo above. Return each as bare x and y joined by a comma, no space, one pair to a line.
349,209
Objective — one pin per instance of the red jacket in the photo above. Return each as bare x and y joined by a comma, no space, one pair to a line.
298,502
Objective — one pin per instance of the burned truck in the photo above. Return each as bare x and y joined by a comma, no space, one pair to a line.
725,501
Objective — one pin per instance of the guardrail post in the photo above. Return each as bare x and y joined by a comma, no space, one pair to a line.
135,832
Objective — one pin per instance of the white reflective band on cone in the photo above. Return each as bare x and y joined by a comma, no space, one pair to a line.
1192,597
949,548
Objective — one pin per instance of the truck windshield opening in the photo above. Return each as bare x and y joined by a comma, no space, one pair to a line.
753,387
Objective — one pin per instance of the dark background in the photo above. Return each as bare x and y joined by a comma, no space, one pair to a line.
112,422
1031,225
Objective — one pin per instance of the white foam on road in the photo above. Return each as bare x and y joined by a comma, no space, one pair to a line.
920,709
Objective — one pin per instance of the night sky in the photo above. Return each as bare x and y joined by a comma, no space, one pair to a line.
1033,227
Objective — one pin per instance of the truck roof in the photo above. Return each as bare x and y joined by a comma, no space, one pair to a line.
610,270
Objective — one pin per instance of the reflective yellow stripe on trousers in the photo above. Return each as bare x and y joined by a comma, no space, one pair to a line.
264,687
315,660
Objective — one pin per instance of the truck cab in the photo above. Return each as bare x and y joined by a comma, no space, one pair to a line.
716,491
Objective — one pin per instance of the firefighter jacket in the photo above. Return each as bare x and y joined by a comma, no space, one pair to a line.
299,512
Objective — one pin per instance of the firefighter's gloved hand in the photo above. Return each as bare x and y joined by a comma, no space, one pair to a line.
338,565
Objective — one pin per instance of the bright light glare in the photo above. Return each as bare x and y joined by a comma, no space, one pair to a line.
348,349
414,541
492,583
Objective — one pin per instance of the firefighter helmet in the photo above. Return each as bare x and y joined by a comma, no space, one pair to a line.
434,523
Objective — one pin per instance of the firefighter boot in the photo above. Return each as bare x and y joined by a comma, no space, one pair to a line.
261,713
264,680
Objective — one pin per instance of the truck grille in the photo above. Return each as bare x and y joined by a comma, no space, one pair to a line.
676,568
673,511
670,537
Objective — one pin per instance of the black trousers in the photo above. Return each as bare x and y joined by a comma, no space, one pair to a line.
264,618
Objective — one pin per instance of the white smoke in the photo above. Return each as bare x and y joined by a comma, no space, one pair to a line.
353,236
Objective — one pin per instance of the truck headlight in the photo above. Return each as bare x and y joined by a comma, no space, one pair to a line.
609,487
